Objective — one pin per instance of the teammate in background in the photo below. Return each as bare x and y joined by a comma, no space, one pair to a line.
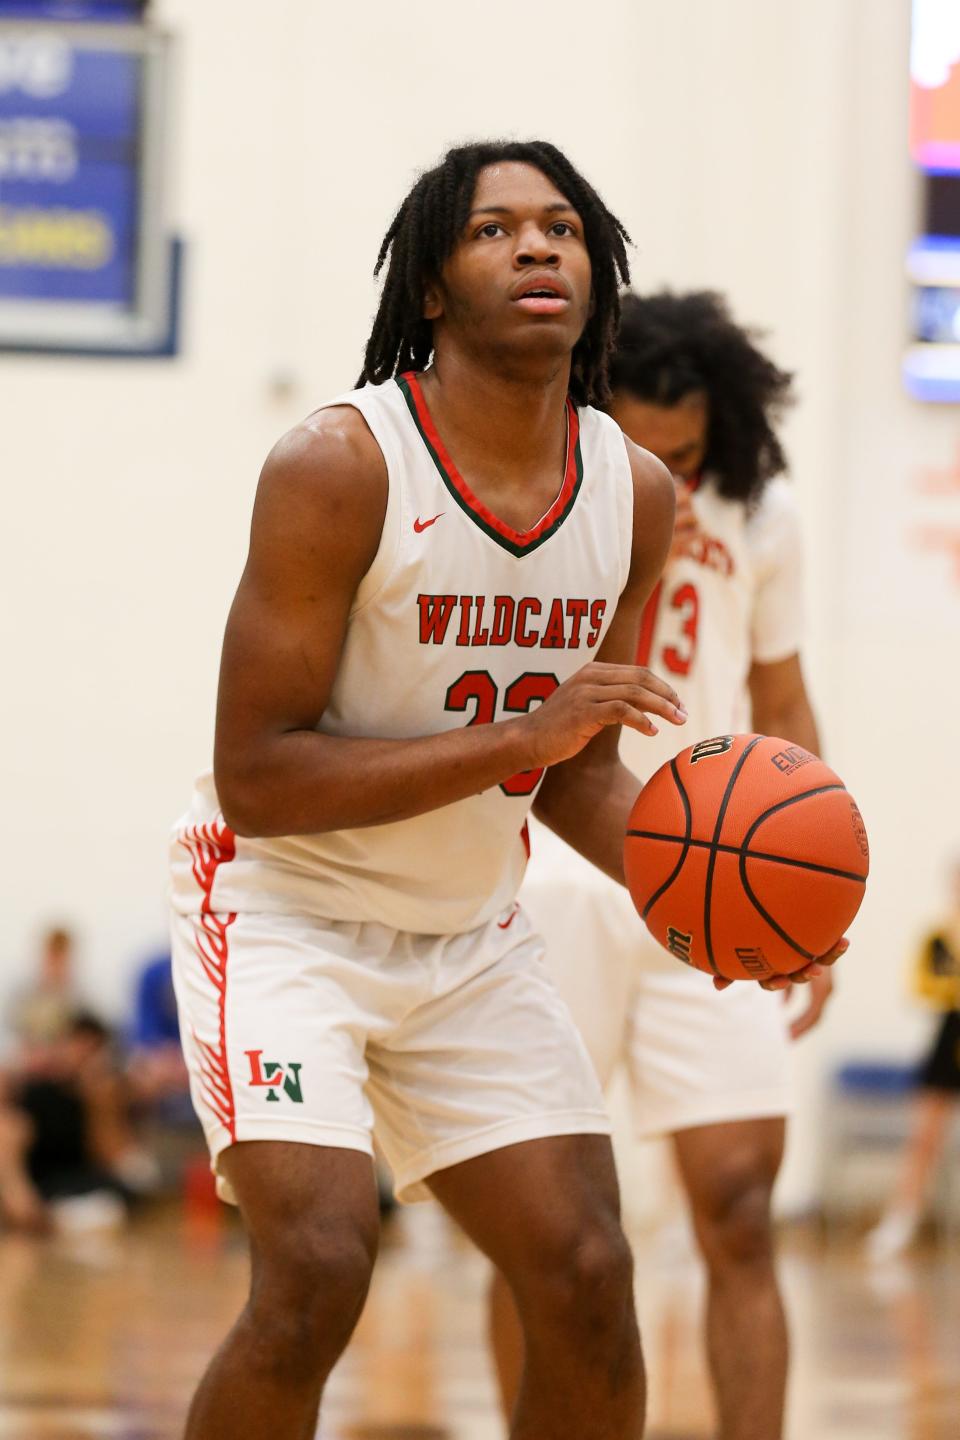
40,1012
442,598
937,981
724,623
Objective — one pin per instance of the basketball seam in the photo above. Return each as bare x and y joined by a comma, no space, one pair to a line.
784,804
688,825
751,854
748,890
712,863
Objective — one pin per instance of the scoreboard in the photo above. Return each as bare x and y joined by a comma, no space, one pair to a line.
86,263
932,363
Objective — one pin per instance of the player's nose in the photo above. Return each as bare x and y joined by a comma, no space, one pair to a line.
534,247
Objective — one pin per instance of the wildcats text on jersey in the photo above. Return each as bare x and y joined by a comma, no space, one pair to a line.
711,551
506,620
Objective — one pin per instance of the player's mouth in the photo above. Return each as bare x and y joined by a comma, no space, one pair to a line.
541,294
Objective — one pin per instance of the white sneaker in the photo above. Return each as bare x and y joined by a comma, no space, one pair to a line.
81,1214
895,1233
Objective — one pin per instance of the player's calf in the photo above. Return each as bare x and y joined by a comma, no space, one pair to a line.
311,1215
580,1336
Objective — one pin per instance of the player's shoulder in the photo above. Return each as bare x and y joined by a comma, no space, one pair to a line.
654,507
773,521
329,461
653,486
330,442
776,504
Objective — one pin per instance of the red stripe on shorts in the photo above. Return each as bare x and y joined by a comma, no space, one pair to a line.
209,847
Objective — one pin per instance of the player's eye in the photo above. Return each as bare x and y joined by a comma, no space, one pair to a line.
562,227
489,231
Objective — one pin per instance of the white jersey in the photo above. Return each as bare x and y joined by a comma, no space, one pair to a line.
459,620
736,600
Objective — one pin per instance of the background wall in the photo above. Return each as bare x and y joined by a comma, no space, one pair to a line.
753,148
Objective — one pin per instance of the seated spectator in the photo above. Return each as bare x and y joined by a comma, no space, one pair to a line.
937,982
21,1204
156,1068
65,1129
40,1011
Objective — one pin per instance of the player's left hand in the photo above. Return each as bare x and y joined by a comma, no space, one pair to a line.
804,976
821,988
686,526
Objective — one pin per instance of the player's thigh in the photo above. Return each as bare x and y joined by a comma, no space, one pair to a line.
273,1015
590,932
701,1057
489,1059
529,1206
311,1211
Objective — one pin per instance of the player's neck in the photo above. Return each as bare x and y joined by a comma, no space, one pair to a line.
516,418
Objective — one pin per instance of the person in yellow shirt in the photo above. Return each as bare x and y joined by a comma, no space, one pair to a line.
937,983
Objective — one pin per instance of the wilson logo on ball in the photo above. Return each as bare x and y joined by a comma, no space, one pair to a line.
859,829
754,961
709,749
679,944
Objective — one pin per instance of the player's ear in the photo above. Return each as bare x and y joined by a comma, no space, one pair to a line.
432,301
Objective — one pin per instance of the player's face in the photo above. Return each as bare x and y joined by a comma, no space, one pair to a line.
518,280
676,434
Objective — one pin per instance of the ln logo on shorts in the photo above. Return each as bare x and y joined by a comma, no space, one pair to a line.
679,944
709,748
271,1076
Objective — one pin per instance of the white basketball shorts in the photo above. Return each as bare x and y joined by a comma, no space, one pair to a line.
448,1047
694,1055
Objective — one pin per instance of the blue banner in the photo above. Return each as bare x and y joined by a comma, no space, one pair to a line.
70,131
72,9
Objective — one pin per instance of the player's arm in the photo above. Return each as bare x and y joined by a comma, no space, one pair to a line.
317,524
588,799
779,701
780,704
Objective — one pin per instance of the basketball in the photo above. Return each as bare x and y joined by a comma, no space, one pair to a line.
746,856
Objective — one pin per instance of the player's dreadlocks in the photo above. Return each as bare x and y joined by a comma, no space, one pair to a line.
426,229
671,345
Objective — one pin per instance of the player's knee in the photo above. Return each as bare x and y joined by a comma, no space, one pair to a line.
735,1223
602,1267
308,1288
584,1279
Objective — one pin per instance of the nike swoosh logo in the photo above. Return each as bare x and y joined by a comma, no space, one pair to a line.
421,525
505,924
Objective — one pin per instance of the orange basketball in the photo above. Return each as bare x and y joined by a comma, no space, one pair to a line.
746,856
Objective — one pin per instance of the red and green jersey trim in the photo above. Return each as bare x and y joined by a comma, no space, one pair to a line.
517,542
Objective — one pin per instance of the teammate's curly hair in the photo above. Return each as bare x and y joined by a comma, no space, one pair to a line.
671,345
425,230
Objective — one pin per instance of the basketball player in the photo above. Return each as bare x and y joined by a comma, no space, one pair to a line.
708,1070
442,596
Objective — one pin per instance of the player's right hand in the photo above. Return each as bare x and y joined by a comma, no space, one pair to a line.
597,696
804,976
686,527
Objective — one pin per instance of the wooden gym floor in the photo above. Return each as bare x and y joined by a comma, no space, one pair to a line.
105,1336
